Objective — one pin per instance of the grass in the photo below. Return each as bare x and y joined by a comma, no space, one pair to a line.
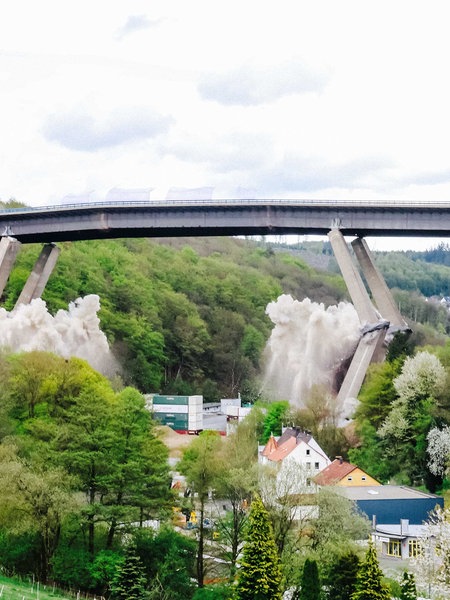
13,589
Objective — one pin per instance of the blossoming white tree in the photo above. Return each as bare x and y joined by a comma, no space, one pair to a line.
439,450
432,564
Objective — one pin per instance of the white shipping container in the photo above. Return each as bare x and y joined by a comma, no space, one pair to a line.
195,417
171,408
196,400
225,402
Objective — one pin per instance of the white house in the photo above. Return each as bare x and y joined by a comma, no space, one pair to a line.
297,458
296,446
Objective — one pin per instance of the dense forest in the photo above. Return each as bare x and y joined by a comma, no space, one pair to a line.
184,315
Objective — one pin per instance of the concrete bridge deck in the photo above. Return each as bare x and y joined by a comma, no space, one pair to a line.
225,217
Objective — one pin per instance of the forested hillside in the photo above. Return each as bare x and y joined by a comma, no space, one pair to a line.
426,272
418,280
183,315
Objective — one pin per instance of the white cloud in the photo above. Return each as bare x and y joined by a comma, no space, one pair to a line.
136,23
78,130
248,85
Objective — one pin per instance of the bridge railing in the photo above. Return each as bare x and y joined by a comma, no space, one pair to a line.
231,202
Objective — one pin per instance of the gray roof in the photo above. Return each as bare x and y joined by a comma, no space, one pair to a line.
382,492
396,531
299,434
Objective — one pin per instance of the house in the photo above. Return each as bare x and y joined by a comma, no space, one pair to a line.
341,472
445,301
295,457
399,541
299,447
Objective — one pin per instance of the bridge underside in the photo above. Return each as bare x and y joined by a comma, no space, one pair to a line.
228,218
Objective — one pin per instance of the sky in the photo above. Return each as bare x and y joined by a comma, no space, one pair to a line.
249,99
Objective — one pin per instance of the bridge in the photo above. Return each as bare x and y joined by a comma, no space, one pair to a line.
171,218
378,313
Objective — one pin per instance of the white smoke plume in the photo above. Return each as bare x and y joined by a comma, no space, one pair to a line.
307,346
72,332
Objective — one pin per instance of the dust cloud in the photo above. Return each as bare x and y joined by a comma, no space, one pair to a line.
307,346
72,332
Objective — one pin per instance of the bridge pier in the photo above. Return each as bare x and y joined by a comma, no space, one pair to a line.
355,285
40,274
375,320
380,291
9,248
369,349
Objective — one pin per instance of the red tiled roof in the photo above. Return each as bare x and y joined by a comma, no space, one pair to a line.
334,472
290,438
270,447
283,449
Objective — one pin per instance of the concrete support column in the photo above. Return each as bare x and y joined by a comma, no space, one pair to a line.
355,285
9,248
38,278
380,291
368,347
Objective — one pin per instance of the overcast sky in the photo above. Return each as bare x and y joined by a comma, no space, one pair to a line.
288,99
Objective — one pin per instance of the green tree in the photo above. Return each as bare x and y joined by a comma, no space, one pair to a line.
200,464
236,482
405,429
259,577
137,480
408,587
34,501
214,592
310,581
341,577
84,449
130,582
338,525
30,379
369,580
169,560
273,421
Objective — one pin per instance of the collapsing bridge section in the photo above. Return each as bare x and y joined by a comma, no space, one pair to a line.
379,315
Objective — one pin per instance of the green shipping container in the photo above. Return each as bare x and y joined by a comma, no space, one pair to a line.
177,421
170,399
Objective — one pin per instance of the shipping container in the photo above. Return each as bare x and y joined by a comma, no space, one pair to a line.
157,399
172,420
173,408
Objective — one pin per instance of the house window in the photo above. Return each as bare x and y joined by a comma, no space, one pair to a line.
308,465
308,451
363,478
413,548
316,466
349,478
393,548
